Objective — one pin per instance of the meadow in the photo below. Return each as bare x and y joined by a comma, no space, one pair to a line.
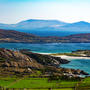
36,84
84,85
28,83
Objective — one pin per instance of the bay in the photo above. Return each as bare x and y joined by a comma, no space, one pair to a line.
83,64
49,32
47,47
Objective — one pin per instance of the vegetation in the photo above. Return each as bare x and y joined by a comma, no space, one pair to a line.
23,69
7,81
56,82
63,78
45,59
68,54
85,52
15,36
77,53
84,85
39,83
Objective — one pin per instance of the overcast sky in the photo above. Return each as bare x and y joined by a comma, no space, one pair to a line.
14,11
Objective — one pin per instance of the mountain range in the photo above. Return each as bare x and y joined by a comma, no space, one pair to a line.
35,24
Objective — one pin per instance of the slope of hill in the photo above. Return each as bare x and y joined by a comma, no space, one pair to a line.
25,63
15,36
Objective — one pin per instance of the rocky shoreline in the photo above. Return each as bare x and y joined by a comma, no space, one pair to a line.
24,62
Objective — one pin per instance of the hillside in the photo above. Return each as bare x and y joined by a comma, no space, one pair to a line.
9,36
24,63
15,36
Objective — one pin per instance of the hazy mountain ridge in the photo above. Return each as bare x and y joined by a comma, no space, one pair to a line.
77,25
32,24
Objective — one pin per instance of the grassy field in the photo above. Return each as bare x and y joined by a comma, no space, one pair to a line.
84,85
36,83
7,81
33,83
45,89
42,83
67,84
54,89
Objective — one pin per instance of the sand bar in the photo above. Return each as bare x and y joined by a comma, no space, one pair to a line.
72,57
68,57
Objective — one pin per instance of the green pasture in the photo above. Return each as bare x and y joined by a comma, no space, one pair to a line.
33,83
54,89
42,83
85,84
86,80
7,81
4,83
45,89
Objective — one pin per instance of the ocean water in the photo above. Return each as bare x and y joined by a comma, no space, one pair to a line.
60,33
48,47
83,64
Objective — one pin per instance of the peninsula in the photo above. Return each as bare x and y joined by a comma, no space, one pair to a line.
11,36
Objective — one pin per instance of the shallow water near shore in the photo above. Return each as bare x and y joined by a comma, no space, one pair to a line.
83,64
47,47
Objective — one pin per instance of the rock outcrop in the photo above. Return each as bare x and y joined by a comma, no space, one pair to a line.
25,63
16,59
46,59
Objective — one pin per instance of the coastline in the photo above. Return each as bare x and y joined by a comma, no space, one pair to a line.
72,57
67,57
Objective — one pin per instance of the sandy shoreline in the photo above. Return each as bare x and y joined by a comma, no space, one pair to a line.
67,57
71,57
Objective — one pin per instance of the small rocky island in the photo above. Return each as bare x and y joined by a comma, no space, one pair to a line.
23,62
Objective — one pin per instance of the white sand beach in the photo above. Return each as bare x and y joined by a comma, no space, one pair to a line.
67,57
72,57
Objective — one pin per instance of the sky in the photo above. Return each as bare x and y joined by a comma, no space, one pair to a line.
14,11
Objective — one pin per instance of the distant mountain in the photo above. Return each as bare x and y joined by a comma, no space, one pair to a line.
77,25
33,24
71,26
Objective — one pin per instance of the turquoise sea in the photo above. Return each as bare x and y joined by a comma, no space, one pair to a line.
83,64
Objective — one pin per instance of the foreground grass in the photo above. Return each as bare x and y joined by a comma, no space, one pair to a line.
54,89
42,84
4,83
33,83
7,81
45,89
84,85
64,89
